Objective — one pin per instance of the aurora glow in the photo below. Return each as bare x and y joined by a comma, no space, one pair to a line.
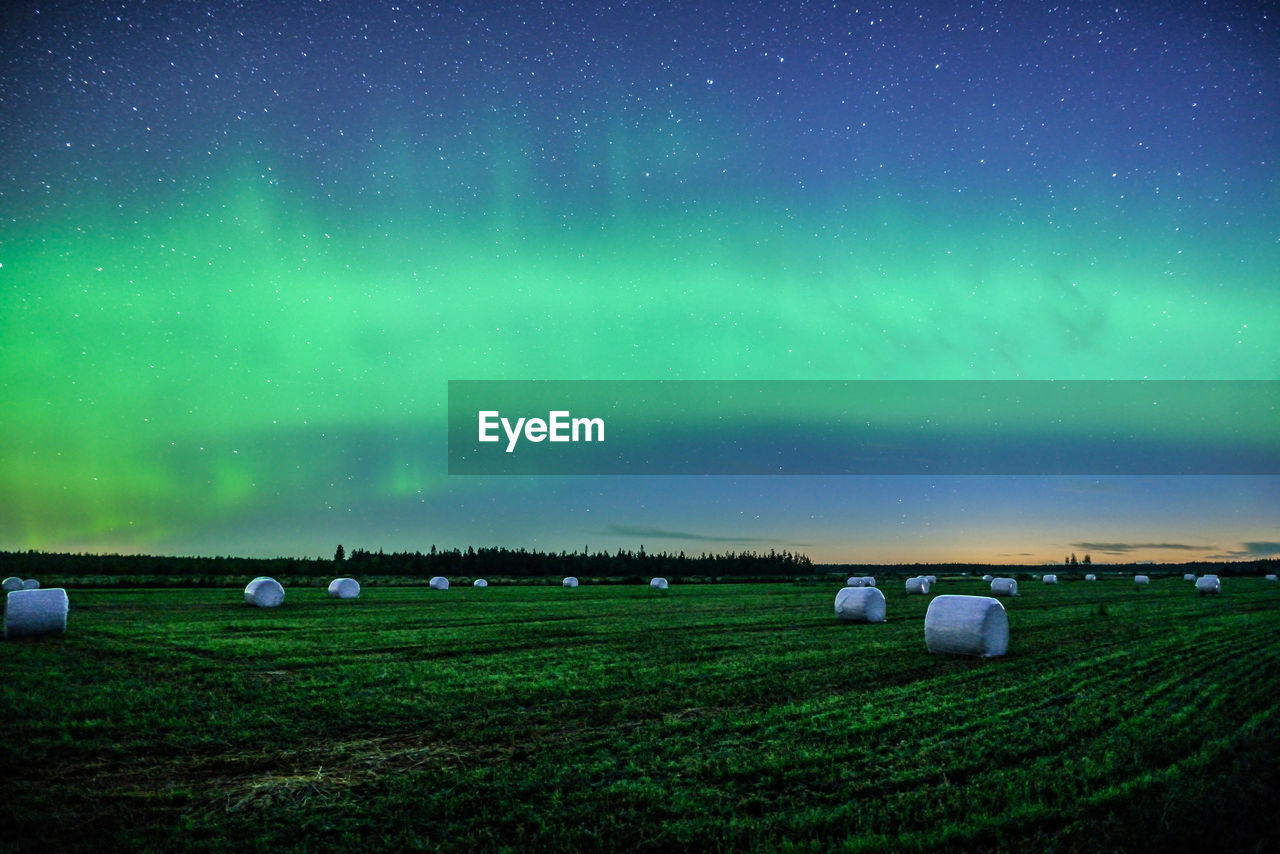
244,249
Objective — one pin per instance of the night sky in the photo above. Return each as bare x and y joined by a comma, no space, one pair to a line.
245,246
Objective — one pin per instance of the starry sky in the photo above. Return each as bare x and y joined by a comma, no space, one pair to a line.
244,247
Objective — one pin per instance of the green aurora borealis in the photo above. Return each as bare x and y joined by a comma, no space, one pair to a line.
226,360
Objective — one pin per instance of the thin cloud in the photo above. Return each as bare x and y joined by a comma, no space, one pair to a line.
664,534
1262,549
1122,548
1250,551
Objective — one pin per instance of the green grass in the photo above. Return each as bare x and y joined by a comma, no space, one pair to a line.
712,718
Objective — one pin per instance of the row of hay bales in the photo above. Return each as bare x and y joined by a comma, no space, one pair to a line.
266,592
953,625
13,583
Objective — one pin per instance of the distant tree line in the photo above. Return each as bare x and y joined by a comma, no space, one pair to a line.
1246,567
33,564
520,563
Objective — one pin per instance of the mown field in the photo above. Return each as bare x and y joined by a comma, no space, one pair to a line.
712,718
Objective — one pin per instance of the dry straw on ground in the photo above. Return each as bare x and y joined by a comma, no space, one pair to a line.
860,605
35,612
966,625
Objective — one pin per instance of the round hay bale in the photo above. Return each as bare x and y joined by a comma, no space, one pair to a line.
1270,577
918,584
11,583
1090,577
265,592
860,605
868,581
479,582
439,582
35,612
987,578
1050,579
30,584
1004,587
344,588
932,579
966,625
1140,580
1208,584
854,581
569,582
657,584
1190,576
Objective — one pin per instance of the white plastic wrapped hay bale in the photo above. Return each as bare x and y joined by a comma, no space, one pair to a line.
344,588
1270,577
439,582
918,584
1207,584
868,581
1090,577
1190,576
932,579
854,581
479,582
1140,580
1004,587
966,625
1050,579
658,584
11,583
264,592
860,605
988,578
30,584
35,612
569,582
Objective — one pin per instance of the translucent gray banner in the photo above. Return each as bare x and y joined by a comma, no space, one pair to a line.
801,427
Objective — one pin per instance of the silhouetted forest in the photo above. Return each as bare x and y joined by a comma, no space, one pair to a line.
522,564
473,562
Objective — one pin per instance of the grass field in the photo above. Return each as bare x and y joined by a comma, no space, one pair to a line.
711,718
